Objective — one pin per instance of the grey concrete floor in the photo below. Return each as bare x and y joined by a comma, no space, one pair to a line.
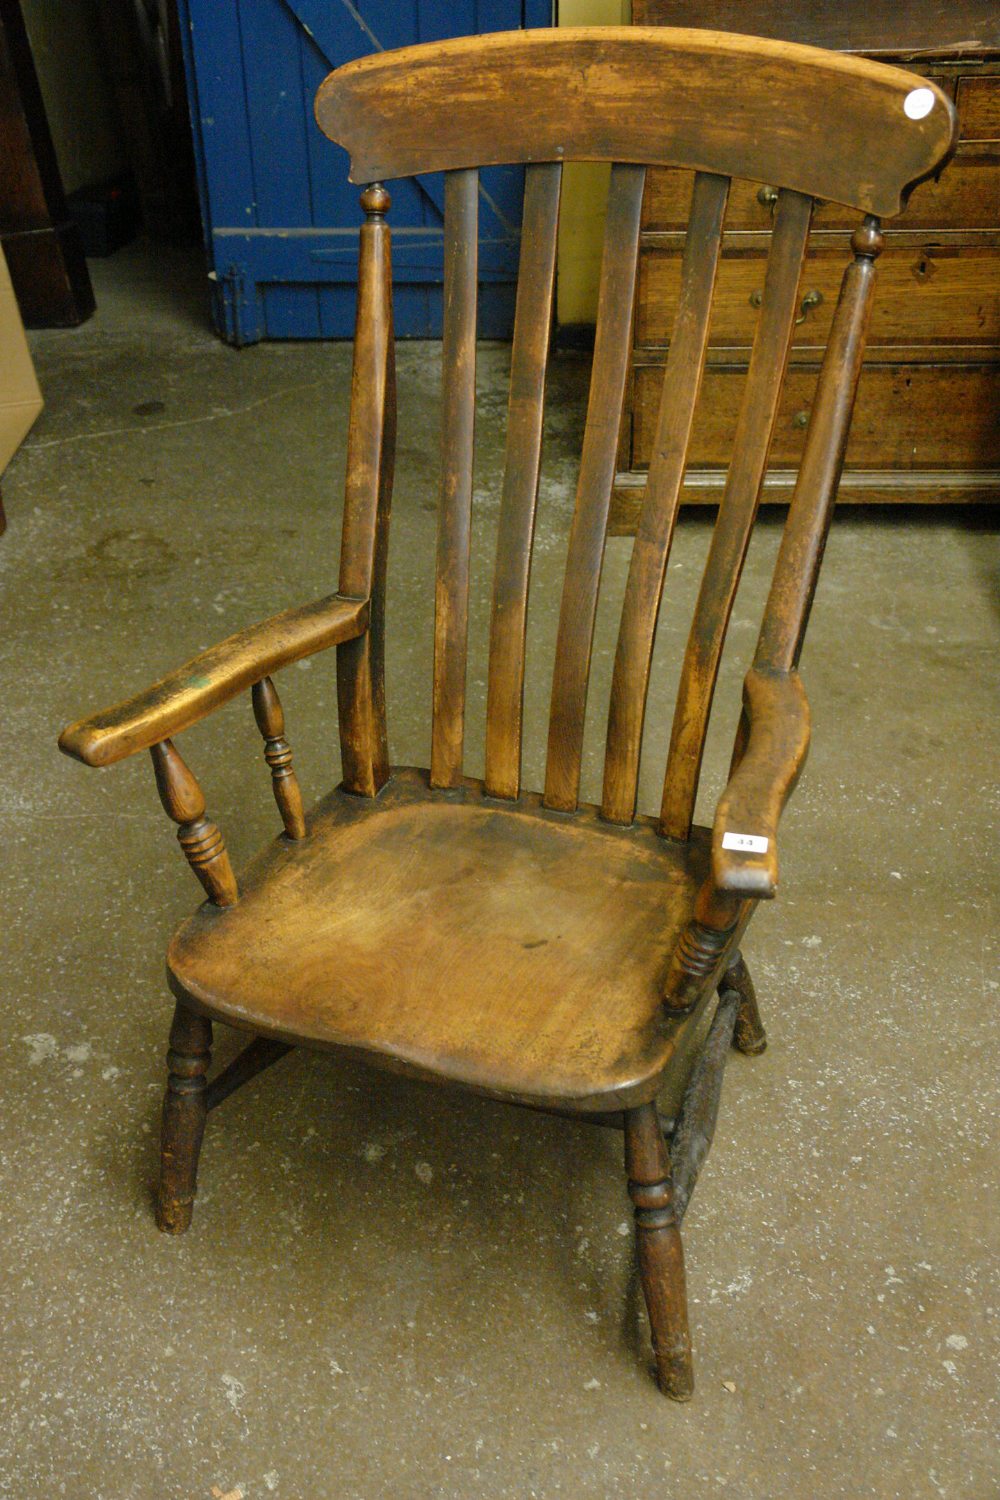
394,1290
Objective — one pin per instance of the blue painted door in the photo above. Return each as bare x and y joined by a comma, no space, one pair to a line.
281,219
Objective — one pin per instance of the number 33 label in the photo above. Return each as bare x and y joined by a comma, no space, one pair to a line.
747,843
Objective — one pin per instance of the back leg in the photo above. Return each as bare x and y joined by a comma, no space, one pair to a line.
184,1110
661,1254
749,1035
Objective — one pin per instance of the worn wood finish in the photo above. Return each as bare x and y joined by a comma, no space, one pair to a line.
190,692
510,949
371,449
776,715
737,513
278,755
183,1121
692,1137
203,844
616,303
524,947
647,570
458,403
529,358
660,1252
804,538
503,86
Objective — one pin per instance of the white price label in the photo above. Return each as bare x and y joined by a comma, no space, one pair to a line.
747,843
918,104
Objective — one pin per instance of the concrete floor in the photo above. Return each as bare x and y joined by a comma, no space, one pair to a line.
394,1290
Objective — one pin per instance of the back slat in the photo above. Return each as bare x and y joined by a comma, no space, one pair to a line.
682,380
451,599
593,493
529,356
737,512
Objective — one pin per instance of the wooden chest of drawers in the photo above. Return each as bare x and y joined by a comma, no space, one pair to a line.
927,423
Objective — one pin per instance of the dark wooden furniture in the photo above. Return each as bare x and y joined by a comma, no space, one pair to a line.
518,944
144,59
927,425
42,244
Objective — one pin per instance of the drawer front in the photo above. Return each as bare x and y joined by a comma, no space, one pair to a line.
907,417
925,296
978,101
909,29
967,196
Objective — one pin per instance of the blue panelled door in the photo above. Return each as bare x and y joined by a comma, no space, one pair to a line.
281,219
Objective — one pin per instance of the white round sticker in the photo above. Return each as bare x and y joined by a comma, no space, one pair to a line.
918,103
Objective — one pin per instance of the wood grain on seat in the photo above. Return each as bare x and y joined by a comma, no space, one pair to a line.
514,949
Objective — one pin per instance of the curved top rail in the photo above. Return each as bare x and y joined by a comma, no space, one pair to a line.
831,126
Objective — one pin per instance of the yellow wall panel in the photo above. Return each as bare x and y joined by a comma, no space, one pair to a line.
585,189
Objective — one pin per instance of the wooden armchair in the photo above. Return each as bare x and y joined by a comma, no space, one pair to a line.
517,943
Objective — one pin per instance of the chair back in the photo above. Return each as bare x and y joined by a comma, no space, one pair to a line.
815,124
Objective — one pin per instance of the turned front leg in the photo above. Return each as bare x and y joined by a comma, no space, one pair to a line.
184,1110
661,1254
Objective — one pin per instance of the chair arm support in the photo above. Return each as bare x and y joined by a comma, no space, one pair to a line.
213,677
744,838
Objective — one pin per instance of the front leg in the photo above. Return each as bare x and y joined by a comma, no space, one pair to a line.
661,1254
184,1110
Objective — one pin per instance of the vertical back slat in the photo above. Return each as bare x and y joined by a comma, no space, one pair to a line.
529,356
681,383
616,303
804,538
731,537
451,597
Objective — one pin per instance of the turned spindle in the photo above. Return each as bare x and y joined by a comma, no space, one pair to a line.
701,947
203,844
270,718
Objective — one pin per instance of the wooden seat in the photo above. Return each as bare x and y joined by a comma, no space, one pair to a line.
516,951
519,944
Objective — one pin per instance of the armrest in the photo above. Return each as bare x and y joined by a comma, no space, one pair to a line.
211,678
744,839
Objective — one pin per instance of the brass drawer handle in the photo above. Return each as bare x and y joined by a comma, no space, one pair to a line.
801,419
809,301
767,197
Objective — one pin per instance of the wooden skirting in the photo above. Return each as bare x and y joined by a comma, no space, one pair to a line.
863,486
